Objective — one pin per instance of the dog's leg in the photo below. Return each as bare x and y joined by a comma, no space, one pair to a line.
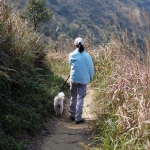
58,110
61,110
55,108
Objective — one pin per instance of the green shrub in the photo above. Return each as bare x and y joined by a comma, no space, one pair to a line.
27,84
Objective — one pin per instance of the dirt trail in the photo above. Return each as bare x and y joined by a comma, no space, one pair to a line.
68,135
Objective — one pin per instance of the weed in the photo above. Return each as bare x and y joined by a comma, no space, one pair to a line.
27,84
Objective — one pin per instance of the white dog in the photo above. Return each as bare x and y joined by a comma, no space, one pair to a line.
58,103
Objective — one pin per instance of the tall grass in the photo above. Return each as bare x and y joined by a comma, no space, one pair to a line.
27,84
122,83
58,62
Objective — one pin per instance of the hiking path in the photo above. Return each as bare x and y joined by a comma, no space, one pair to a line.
66,134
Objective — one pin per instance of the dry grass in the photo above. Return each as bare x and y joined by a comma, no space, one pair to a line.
58,62
123,88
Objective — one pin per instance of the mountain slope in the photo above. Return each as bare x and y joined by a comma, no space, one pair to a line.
92,18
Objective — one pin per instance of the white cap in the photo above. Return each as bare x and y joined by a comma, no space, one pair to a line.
78,40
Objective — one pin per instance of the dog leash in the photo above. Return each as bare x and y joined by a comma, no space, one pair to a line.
64,83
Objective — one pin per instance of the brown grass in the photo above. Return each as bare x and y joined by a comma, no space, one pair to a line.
126,94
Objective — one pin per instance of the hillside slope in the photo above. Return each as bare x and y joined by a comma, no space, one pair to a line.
92,19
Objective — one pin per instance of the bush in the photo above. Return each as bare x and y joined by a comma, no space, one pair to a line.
27,85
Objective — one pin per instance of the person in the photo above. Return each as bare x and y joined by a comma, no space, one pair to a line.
81,73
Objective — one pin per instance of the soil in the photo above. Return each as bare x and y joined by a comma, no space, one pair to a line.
64,133
71,136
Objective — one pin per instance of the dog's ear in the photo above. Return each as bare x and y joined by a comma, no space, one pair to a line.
58,99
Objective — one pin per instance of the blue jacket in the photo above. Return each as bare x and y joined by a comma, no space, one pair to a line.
81,67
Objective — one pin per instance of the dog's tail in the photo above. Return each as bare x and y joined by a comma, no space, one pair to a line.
61,94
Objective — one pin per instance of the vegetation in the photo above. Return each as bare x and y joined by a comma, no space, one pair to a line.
37,13
122,84
27,85
29,79
94,19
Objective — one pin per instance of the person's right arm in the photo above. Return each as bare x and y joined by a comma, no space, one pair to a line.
91,68
69,59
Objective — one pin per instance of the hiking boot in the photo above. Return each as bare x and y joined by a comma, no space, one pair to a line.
80,121
72,118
